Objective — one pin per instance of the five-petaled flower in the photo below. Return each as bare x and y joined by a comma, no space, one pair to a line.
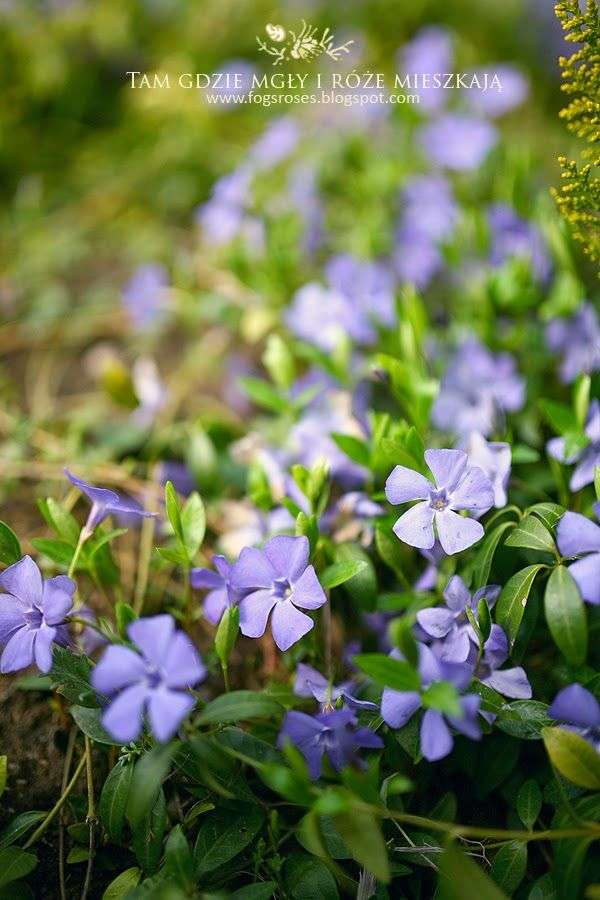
579,536
397,707
153,681
450,624
311,683
220,586
104,503
333,734
579,711
456,487
32,615
279,579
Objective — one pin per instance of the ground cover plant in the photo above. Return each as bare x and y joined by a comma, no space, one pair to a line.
300,522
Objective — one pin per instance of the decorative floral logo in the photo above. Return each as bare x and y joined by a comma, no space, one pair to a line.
306,45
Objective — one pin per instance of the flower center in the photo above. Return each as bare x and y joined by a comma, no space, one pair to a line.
153,678
34,617
438,499
282,589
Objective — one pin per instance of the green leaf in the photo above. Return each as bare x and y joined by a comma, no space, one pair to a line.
19,826
64,523
597,482
77,855
362,586
263,394
227,633
581,398
148,775
279,362
88,720
543,889
462,879
566,615
549,513
393,673
239,705
355,449
10,549
15,863
362,835
573,757
340,572
173,512
113,800
509,866
529,803
485,554
148,833
225,833
261,890
389,549
559,417
513,599
58,552
179,862
124,615
443,696
3,769
523,719
193,522
308,878
123,884
70,676
532,535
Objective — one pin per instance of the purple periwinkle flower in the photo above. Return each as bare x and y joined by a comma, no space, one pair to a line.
277,142
429,52
32,615
587,459
311,683
496,101
220,587
397,707
579,536
179,473
279,579
494,458
417,258
476,390
457,141
324,317
515,238
456,487
105,503
579,711
332,734
429,207
511,682
578,339
450,625
145,295
369,287
153,679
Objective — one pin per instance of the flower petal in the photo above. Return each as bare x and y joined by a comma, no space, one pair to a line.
18,653
205,579
118,667
288,555
253,570
405,484
584,472
215,604
23,580
167,710
307,591
456,646
397,707
457,594
447,466
474,491
42,647
415,527
123,718
435,621
436,740
510,683
182,665
57,602
576,705
11,616
455,532
152,635
586,573
576,534
288,624
467,724
254,612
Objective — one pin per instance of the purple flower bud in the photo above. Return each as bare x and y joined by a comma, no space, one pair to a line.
105,503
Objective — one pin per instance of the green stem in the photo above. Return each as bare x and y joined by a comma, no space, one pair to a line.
226,678
592,830
83,536
57,806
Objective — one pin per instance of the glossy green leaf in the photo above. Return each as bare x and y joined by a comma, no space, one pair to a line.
573,757
531,534
509,866
238,706
362,835
307,878
15,863
179,862
338,573
460,878
113,800
529,802
10,549
513,599
193,523
393,673
122,884
19,826
566,615
225,833
89,721
485,554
